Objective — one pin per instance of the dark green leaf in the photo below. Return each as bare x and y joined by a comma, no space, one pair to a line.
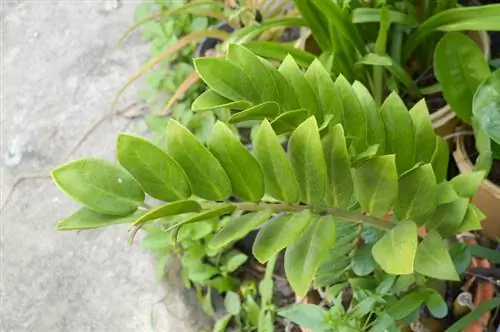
308,162
99,185
85,218
237,228
433,259
227,79
363,263
279,51
278,233
243,170
490,254
207,176
460,67
461,255
448,217
396,251
278,174
304,256
475,314
407,304
317,21
399,132
372,15
486,106
258,112
211,100
169,209
436,304
376,185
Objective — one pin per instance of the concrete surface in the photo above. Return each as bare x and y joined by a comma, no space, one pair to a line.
58,75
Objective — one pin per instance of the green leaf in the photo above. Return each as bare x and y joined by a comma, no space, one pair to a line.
433,259
407,304
395,252
417,194
265,110
266,324
201,272
207,176
304,256
243,170
483,146
306,96
376,185
461,255
232,303
306,315
279,233
217,212
445,193
259,73
222,323
85,218
211,100
369,153
486,106
490,254
440,159
169,209
372,15
375,126
288,121
353,116
287,99
460,67
338,168
317,21
322,83
308,162
425,138
363,263
100,186
436,304
448,217
475,314
472,220
157,241
227,79
278,174
467,184
237,228
279,51
399,132
233,259
157,172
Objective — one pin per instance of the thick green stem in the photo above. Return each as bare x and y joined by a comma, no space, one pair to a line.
279,207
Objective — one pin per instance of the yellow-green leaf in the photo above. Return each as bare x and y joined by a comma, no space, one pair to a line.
169,209
425,138
85,218
204,215
467,184
322,83
288,121
259,112
211,100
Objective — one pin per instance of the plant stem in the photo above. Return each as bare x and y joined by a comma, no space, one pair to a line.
355,217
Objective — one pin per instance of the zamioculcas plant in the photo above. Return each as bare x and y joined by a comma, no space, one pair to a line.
347,161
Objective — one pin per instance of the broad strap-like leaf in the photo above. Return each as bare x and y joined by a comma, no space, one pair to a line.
448,217
227,79
204,215
433,260
279,178
375,133
279,233
206,175
258,72
243,170
211,100
288,121
308,162
440,159
340,186
262,111
304,256
169,209
399,132
99,185
417,194
279,51
395,252
237,228
305,94
354,119
376,185
467,184
486,106
156,171
85,218
322,83
460,67
425,138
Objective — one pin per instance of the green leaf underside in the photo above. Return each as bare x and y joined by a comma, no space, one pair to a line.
206,175
169,209
157,172
204,215
305,255
100,186
243,170
85,218
211,100
265,110
448,217
287,122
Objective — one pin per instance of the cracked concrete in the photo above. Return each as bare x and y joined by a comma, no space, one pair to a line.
59,74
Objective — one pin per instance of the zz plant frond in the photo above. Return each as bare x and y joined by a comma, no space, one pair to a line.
346,161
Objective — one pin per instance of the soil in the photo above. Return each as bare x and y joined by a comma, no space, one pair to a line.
470,149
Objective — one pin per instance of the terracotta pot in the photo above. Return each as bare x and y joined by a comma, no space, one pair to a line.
487,198
444,120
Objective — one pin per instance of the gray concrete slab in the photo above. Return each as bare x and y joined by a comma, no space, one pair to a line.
58,75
